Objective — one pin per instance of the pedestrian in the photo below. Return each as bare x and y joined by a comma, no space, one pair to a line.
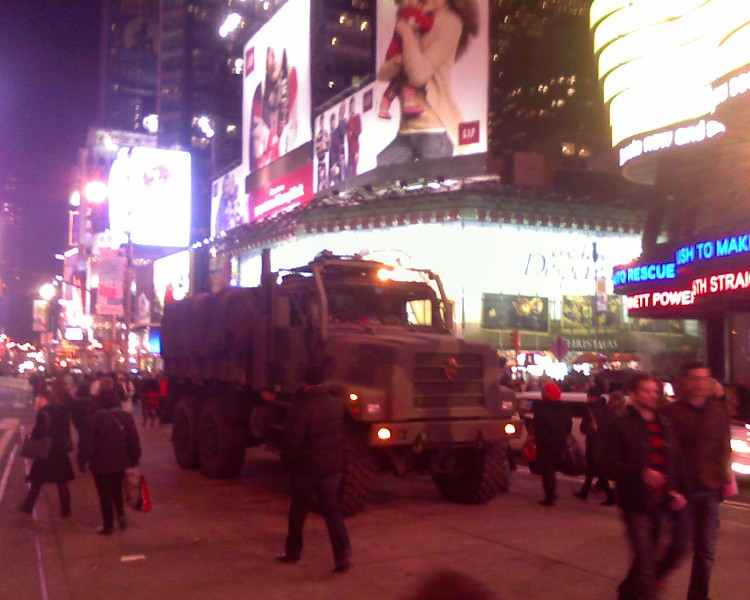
701,424
151,402
616,403
552,423
79,412
112,445
313,450
639,453
128,391
592,426
51,420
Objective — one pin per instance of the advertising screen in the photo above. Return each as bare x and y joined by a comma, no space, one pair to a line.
229,202
429,99
661,65
276,113
276,87
171,280
149,187
526,313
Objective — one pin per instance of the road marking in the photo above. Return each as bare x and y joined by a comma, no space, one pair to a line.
6,473
8,427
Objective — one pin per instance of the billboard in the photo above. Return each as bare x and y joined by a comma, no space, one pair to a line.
276,112
171,281
526,313
110,272
429,99
147,188
578,313
660,65
229,201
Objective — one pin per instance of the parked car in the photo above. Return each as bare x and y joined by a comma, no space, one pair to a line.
741,449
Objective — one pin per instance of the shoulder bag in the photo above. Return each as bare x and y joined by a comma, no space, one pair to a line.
38,448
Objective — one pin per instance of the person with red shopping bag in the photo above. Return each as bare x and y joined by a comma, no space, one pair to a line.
112,445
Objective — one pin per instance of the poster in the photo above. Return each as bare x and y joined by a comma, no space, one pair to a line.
525,313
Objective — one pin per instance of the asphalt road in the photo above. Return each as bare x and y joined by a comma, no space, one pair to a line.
207,539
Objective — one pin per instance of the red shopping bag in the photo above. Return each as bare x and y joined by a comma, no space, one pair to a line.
135,491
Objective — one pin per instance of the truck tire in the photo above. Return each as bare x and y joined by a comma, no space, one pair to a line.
479,475
359,472
221,446
185,433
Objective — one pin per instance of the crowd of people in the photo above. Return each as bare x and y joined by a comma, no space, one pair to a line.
669,459
100,408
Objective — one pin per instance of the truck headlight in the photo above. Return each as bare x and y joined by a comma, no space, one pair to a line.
510,429
384,434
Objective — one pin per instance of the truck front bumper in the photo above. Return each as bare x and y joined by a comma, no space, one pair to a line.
425,434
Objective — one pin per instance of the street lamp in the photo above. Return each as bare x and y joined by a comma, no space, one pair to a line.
47,292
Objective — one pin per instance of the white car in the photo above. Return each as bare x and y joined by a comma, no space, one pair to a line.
740,449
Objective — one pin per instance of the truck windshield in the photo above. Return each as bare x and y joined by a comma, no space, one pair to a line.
406,304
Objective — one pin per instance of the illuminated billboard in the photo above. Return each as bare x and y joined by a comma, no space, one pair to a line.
662,67
429,99
276,114
149,188
229,201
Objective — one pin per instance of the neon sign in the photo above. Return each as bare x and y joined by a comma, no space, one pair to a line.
720,248
656,272
723,282
661,299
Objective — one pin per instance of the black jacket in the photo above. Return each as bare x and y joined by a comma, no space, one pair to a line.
552,423
314,432
54,421
625,452
112,443
596,412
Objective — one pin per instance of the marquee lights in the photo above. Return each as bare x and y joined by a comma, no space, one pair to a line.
666,299
659,62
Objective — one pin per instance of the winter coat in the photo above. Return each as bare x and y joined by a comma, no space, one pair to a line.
313,440
54,421
552,423
624,454
704,441
112,443
596,412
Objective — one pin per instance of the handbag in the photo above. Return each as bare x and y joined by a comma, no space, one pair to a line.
135,490
36,448
730,488
529,448
573,461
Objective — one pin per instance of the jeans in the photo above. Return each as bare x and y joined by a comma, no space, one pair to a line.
643,529
699,521
327,488
109,488
416,146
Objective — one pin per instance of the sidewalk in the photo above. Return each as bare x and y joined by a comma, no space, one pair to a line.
208,539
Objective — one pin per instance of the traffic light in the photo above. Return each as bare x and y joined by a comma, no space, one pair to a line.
515,339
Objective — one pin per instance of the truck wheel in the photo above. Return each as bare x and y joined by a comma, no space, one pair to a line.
185,434
479,475
221,447
360,469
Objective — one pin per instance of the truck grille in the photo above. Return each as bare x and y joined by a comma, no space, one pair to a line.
448,380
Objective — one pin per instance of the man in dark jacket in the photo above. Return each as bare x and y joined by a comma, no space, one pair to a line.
701,426
112,445
592,426
313,449
640,454
552,424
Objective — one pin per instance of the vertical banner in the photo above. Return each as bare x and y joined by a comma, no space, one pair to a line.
109,296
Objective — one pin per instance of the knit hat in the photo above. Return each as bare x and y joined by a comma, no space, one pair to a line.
551,391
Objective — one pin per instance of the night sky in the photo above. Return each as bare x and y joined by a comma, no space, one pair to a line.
48,99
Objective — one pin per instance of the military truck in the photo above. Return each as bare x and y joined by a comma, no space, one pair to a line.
416,395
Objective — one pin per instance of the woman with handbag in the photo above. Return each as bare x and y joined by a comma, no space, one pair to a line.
53,423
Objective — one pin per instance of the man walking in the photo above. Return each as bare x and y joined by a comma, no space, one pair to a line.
701,426
313,450
639,454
